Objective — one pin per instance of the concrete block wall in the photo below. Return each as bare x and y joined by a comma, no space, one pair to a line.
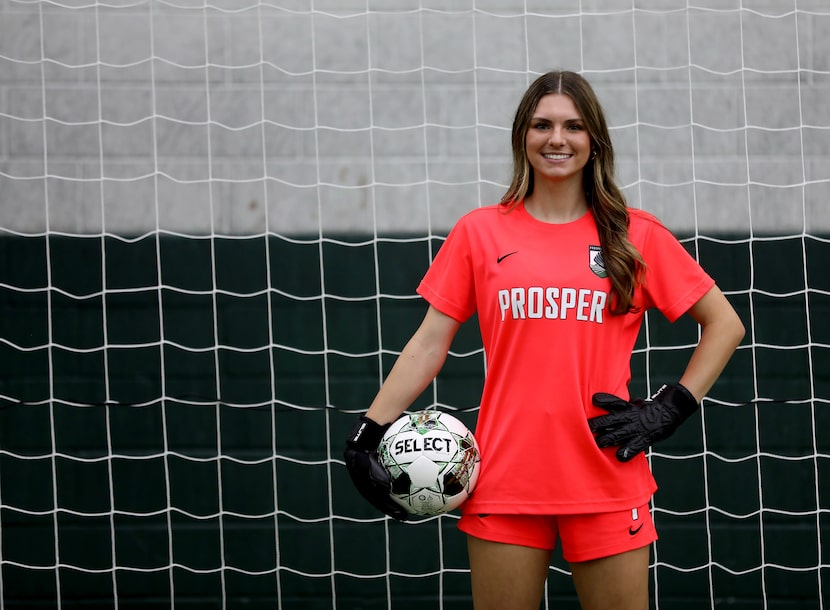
299,117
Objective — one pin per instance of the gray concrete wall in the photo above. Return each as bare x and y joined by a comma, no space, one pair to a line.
393,116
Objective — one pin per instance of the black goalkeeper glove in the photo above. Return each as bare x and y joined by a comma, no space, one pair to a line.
368,475
638,424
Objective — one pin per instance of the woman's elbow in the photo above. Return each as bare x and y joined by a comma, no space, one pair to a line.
735,328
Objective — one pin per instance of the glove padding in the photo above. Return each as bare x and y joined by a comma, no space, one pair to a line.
368,475
638,424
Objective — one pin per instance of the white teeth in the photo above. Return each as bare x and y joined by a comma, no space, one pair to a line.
556,156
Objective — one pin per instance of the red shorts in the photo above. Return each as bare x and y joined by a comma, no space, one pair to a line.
584,537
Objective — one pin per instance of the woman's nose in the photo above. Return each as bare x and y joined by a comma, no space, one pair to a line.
556,136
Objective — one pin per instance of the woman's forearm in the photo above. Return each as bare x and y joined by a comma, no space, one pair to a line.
416,367
722,331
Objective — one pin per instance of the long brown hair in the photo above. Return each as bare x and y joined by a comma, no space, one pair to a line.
623,262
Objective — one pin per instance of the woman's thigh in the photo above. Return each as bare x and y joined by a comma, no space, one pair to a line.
506,575
618,582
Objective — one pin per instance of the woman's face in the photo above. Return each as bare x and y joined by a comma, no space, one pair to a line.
557,143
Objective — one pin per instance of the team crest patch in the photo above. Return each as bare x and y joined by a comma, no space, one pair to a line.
596,262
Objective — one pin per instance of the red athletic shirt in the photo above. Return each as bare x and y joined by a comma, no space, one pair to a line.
542,298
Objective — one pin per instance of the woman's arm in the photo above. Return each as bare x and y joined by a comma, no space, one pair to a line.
635,426
722,331
419,363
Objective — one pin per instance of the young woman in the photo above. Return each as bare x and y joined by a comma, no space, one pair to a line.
560,273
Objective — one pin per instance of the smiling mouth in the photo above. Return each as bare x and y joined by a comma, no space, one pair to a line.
557,156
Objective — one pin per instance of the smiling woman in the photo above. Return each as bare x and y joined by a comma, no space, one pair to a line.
560,274
571,100
558,148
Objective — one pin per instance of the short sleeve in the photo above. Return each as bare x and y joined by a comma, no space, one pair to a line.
449,283
674,281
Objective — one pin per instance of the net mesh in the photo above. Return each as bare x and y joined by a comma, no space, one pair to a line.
213,216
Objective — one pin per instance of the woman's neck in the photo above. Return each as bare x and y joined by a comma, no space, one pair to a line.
557,203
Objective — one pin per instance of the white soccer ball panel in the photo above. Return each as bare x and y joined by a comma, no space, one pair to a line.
423,472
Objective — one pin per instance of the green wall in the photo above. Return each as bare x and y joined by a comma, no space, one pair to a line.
127,439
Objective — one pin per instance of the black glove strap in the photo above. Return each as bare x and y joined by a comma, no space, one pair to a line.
678,396
366,434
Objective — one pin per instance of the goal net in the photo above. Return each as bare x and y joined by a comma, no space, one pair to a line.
214,215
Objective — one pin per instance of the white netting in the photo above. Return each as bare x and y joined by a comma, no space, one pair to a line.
213,216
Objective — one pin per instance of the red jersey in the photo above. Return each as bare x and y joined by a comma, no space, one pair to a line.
542,298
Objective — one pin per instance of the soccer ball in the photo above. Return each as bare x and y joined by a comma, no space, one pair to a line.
433,461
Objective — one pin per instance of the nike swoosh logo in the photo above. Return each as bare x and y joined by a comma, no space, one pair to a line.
504,256
633,532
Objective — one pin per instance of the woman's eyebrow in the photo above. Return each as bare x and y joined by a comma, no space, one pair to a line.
547,120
